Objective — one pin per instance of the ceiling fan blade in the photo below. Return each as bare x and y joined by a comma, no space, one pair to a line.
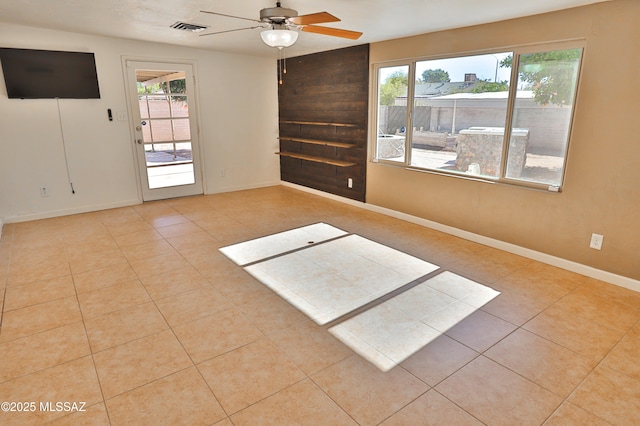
336,32
230,31
230,16
313,18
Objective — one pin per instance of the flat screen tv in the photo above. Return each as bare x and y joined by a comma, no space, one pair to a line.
45,74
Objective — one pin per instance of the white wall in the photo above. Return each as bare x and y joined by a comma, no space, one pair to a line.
238,112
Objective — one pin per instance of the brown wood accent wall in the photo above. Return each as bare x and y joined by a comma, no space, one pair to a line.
323,107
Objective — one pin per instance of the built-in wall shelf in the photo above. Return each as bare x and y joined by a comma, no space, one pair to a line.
318,123
318,142
315,159
323,110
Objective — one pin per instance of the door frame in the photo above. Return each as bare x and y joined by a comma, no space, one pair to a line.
145,194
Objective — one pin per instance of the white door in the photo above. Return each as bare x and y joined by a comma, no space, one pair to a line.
165,129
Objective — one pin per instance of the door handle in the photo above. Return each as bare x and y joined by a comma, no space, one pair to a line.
139,141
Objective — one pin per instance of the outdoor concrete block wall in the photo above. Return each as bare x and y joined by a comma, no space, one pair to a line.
483,146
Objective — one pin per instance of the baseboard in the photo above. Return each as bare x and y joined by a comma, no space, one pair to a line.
569,265
244,187
1,224
67,212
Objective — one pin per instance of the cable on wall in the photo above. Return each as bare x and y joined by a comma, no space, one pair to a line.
64,148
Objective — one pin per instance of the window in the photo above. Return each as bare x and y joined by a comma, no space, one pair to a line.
474,116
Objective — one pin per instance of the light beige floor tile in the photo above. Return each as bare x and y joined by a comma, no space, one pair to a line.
95,415
193,243
114,298
624,357
164,221
181,398
136,363
115,328
546,278
569,414
480,330
545,293
432,409
106,277
216,334
567,319
179,229
515,307
191,305
300,404
158,265
155,209
610,395
39,292
367,394
487,265
612,293
174,282
575,333
438,360
635,331
135,224
248,374
210,263
42,350
498,396
543,362
271,313
238,286
599,310
119,215
36,318
310,346
148,250
72,382
32,270
96,260
89,249
138,237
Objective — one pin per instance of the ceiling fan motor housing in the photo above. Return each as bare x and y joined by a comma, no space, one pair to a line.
277,15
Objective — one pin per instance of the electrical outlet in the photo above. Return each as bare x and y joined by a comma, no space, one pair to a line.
350,183
44,192
596,241
222,173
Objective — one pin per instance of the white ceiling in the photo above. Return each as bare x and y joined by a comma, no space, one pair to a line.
377,19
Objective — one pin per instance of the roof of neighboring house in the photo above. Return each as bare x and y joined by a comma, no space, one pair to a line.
438,89
522,94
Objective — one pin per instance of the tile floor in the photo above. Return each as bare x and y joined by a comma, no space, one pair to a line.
136,313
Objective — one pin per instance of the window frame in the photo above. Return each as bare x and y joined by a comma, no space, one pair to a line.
516,52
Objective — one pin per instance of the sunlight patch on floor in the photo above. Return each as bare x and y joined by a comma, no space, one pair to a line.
328,274
392,331
272,245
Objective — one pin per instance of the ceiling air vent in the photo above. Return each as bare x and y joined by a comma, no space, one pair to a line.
189,27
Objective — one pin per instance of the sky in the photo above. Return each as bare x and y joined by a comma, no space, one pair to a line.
484,66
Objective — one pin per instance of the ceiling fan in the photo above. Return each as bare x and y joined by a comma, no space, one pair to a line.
280,24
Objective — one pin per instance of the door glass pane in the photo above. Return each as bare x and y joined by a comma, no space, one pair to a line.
161,130
392,113
542,113
181,130
459,113
166,130
179,106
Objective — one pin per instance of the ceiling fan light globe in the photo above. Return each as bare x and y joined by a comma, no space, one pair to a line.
279,38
